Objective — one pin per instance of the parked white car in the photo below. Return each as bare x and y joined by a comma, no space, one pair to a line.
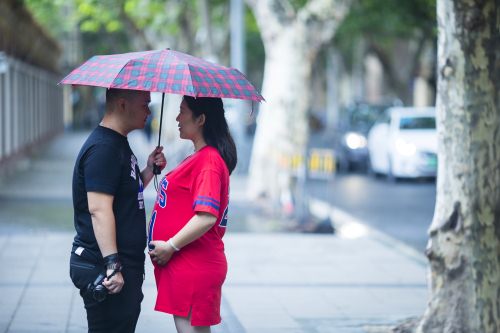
403,143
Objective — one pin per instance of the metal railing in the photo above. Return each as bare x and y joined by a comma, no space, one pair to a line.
31,106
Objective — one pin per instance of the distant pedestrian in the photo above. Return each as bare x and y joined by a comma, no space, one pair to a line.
190,218
107,259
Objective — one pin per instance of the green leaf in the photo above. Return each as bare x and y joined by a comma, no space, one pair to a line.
90,26
113,26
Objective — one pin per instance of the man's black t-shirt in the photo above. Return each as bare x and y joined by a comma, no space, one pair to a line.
106,164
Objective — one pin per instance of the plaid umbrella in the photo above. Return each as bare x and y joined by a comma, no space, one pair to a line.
165,71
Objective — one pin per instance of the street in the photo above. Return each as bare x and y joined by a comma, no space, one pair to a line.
401,209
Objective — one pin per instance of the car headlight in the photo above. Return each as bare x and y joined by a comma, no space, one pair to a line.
405,148
355,140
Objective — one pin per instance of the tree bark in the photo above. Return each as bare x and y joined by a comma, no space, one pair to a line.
291,41
464,245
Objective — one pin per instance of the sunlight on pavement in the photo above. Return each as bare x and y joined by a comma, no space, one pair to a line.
345,225
352,230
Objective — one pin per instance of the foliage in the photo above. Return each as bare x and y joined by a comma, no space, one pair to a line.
256,55
49,14
383,21
297,4
101,23
96,23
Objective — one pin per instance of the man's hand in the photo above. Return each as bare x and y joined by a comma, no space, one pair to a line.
115,283
157,158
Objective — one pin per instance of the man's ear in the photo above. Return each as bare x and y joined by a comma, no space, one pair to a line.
120,103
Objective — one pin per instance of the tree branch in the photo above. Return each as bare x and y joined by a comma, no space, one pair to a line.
399,83
272,16
322,17
399,86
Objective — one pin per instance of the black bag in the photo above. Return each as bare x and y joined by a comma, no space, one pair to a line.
83,268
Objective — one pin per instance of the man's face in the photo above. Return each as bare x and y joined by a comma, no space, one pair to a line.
137,109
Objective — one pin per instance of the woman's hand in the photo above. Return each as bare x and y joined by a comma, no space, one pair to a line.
161,252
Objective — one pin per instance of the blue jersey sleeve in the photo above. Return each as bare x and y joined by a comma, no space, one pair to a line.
206,192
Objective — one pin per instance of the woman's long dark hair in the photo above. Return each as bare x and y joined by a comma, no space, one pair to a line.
215,130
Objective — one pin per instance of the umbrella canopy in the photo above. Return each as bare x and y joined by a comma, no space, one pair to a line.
165,71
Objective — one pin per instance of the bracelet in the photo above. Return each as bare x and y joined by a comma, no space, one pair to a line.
173,245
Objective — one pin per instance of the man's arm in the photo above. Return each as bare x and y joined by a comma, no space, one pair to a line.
147,175
103,222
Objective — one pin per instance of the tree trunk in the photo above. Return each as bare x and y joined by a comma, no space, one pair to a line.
464,245
205,31
282,122
292,41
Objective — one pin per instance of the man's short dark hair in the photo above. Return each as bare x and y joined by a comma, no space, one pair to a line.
113,94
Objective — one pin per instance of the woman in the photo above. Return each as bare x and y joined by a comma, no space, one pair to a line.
189,219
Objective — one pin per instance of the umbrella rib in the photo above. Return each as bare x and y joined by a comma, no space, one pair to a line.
140,58
190,81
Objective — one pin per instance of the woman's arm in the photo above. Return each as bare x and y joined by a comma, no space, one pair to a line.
198,225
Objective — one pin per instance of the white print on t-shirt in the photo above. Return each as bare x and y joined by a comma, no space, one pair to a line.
140,194
133,163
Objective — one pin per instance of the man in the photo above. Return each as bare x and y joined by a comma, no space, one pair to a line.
109,215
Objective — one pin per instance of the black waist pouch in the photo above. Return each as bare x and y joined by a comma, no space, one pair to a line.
83,267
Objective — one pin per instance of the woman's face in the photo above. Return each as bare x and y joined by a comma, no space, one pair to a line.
190,128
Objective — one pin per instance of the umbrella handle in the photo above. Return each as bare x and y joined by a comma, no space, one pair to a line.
156,168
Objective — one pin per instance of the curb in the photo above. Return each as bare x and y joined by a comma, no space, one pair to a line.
348,226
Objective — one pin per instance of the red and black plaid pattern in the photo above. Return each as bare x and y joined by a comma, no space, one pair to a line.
165,71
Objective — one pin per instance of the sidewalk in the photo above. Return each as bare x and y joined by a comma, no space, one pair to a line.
277,282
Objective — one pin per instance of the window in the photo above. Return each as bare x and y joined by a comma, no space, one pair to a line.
410,123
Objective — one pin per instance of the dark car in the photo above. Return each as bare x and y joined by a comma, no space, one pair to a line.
350,137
